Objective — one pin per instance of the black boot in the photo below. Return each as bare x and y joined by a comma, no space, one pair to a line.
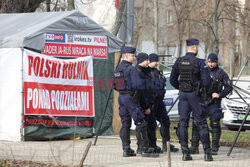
143,144
186,155
125,136
158,150
215,150
194,149
216,133
128,152
164,146
208,155
151,130
172,147
149,152
139,150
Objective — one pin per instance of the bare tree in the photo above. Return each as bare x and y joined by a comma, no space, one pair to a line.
181,12
19,6
71,4
48,2
138,14
232,13
118,19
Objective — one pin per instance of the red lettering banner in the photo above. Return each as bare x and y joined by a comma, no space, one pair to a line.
63,100
59,87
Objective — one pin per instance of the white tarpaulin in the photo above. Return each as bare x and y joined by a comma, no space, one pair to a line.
28,29
10,94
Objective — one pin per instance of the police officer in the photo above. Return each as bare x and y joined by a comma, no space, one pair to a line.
129,103
146,100
220,88
159,111
192,72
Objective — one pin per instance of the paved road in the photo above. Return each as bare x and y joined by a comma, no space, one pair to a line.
108,153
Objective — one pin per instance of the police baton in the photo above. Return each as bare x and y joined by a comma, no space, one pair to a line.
242,124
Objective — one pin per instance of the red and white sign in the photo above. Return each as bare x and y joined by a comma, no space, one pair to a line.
59,87
76,46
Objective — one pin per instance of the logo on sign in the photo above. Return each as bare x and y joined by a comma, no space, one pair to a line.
168,101
55,37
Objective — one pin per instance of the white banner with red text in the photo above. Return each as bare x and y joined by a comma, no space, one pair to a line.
59,88
73,45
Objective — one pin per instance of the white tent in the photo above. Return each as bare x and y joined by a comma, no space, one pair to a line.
27,30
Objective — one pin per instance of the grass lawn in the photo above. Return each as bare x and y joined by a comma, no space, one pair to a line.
227,136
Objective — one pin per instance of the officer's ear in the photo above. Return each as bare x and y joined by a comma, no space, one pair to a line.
196,47
124,56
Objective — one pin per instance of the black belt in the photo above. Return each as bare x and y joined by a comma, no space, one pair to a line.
126,93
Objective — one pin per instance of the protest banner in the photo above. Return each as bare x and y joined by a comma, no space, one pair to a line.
72,45
55,90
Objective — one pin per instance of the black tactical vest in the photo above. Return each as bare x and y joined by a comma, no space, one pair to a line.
216,81
119,81
147,84
187,76
162,78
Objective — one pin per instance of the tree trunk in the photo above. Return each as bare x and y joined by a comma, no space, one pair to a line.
71,5
156,26
48,2
215,27
138,24
178,29
118,19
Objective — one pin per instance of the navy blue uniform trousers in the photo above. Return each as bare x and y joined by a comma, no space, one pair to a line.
190,102
128,109
215,111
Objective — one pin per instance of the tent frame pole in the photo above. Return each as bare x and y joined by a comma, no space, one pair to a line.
242,124
22,113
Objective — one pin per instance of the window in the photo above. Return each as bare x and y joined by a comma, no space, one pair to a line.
170,51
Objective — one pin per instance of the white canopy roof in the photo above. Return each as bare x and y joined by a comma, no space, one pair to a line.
28,29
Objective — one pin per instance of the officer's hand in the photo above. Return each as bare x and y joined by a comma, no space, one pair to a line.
147,111
215,95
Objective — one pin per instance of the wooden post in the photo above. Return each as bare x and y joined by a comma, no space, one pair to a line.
116,118
85,154
169,154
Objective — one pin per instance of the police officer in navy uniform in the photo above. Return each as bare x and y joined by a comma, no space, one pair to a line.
129,103
159,111
221,86
146,100
193,75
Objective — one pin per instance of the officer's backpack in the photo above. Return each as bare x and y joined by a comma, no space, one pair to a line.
187,77
118,79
